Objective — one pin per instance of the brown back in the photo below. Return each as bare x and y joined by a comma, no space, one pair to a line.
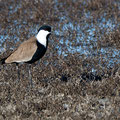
24,52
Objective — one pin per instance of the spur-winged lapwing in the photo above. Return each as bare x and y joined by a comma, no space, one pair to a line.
31,50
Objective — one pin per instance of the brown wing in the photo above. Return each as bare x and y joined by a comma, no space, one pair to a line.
24,52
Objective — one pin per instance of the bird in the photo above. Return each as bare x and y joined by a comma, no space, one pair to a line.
30,50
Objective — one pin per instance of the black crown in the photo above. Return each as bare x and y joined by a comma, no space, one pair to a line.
45,27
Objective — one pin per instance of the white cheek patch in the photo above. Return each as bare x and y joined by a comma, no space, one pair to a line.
41,37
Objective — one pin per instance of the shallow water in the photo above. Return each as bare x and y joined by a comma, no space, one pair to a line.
88,40
74,36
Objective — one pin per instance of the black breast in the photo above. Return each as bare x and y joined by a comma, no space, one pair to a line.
41,49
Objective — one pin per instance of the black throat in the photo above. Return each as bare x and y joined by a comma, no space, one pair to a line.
40,51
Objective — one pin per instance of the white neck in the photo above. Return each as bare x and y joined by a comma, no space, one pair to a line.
42,37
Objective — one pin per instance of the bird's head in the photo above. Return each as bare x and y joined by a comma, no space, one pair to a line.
43,34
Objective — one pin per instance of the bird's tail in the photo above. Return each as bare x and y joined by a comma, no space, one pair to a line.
2,61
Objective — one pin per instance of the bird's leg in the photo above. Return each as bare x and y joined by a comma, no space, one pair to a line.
30,76
18,72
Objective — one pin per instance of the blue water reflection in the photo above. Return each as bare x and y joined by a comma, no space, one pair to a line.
86,35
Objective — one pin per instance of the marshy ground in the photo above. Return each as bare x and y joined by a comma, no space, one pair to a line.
79,76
